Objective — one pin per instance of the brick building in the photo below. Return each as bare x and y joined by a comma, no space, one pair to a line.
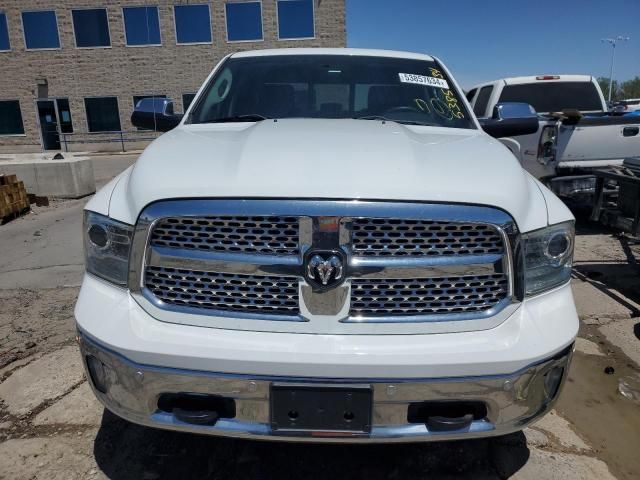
71,70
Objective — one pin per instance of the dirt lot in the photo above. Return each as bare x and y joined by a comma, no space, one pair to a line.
51,426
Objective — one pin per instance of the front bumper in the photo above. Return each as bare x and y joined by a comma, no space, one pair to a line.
513,400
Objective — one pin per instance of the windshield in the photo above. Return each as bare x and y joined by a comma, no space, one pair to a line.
548,97
332,86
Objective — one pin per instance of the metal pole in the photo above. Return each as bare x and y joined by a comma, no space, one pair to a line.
122,140
613,42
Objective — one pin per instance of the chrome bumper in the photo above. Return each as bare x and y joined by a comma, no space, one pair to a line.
513,401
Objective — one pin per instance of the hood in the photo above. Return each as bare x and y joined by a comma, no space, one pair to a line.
337,159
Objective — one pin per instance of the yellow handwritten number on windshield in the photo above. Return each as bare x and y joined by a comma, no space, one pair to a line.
446,97
422,105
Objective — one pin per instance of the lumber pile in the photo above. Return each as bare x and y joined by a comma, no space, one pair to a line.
13,197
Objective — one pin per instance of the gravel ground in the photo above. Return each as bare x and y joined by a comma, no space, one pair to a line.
52,427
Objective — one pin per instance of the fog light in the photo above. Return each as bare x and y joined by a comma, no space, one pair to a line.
97,372
552,381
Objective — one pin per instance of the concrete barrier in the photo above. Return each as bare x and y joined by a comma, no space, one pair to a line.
71,177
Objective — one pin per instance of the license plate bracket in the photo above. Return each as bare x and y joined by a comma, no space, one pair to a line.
316,409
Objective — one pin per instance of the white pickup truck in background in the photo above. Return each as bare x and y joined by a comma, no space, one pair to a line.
576,132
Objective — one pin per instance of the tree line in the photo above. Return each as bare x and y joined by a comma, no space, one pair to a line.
620,90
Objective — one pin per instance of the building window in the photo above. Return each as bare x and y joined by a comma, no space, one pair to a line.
91,27
193,23
244,21
102,114
295,19
40,30
141,25
10,118
4,33
187,98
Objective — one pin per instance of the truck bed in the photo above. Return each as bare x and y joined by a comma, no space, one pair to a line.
597,141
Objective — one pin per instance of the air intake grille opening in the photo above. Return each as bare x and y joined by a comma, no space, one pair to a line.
269,235
224,291
396,237
396,297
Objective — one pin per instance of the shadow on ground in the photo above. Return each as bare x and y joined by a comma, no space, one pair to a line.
623,277
611,278
127,451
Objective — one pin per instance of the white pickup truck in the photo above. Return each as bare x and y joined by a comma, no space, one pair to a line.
576,132
328,247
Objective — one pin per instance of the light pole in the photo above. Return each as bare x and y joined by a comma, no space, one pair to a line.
613,42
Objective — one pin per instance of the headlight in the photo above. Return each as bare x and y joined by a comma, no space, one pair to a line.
106,247
548,257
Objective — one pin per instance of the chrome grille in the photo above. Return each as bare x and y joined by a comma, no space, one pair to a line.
426,296
223,291
269,235
403,263
396,237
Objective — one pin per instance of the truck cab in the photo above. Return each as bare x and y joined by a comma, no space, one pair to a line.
547,94
576,131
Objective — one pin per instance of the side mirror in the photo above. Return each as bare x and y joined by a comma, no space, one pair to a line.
511,119
155,113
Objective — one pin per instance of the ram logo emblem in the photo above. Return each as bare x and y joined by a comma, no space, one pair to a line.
324,269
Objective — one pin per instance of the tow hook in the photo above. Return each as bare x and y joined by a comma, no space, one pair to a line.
447,416
197,408
196,417
448,424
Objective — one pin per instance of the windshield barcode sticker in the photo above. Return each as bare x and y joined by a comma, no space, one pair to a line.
422,80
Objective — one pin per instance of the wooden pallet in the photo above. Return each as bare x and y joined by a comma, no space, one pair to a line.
13,198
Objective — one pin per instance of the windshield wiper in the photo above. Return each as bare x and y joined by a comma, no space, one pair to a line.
252,117
404,122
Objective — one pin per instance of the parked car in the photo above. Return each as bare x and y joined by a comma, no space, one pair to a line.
627,106
576,134
328,247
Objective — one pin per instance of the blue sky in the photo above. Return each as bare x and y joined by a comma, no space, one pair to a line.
481,40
